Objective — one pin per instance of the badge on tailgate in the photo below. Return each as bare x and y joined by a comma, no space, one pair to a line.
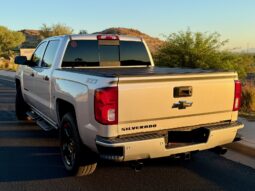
182,104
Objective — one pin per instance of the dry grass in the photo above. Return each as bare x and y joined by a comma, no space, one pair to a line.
248,99
8,65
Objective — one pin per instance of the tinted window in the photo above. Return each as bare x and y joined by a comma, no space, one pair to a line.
133,53
81,53
90,53
109,53
38,54
50,53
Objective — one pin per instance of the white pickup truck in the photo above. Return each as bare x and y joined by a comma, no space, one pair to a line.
107,99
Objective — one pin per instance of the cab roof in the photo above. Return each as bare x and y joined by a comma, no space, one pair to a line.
95,37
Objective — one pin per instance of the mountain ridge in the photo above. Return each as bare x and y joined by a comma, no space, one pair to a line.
33,37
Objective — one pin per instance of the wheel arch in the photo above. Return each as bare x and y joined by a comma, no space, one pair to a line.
63,107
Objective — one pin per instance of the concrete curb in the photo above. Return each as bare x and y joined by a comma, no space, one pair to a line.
242,148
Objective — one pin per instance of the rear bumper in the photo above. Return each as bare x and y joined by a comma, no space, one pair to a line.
156,145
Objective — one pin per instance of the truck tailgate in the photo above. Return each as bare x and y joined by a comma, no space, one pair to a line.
171,101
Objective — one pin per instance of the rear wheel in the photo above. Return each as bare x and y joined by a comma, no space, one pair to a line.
78,160
21,106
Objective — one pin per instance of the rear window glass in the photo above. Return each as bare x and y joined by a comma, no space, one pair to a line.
133,53
82,53
109,53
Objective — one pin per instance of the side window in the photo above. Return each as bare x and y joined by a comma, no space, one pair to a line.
38,54
50,53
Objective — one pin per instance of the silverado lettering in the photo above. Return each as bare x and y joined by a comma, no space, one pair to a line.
138,127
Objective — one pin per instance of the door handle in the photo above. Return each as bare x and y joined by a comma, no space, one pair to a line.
182,104
32,74
46,78
183,91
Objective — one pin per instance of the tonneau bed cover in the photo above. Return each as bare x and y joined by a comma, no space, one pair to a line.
139,71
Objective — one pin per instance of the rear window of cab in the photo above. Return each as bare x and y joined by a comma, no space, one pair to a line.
90,53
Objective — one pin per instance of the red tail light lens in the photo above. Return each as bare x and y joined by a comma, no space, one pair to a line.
106,105
238,95
107,37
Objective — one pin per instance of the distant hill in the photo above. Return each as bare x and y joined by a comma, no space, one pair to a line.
153,43
33,37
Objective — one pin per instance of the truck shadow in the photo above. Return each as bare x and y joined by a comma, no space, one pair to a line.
28,153
30,163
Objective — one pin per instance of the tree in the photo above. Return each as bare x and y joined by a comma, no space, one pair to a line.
200,50
9,40
83,32
55,30
45,31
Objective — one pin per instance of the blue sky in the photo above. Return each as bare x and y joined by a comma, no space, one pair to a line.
234,19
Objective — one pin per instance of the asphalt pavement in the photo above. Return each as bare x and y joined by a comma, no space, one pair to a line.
30,160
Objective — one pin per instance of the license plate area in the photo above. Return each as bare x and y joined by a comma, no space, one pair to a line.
184,138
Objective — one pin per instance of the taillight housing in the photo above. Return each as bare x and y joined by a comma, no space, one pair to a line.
238,95
106,105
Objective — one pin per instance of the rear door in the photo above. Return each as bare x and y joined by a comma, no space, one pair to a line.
42,81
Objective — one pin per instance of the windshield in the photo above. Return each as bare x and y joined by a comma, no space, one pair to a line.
90,53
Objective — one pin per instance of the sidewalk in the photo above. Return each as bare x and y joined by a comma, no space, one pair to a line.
247,144
248,132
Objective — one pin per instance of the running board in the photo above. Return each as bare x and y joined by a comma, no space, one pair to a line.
44,125
40,121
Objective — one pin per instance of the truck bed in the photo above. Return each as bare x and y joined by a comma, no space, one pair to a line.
141,71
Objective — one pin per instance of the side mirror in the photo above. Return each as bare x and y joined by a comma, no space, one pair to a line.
21,60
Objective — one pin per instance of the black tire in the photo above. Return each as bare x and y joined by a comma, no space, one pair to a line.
78,160
21,106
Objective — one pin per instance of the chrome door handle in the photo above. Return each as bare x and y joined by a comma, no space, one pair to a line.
182,104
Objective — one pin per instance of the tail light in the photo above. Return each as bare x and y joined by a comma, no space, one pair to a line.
106,105
238,95
107,37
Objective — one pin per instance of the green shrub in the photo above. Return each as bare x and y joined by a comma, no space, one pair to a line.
188,49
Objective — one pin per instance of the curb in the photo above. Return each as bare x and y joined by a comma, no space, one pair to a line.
242,148
249,117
